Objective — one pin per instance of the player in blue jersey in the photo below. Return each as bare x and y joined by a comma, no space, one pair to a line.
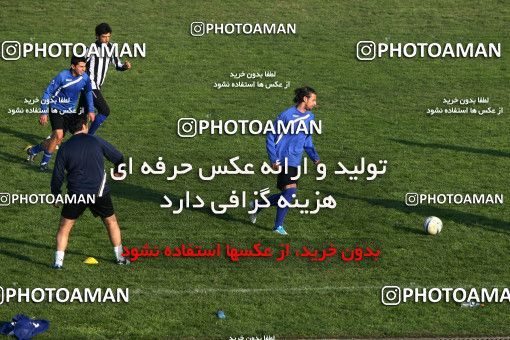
80,160
59,102
289,147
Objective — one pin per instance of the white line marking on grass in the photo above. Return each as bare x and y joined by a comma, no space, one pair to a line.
164,291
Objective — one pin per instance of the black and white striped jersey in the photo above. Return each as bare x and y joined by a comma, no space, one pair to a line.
97,64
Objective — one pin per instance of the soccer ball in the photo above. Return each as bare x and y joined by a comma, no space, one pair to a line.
432,225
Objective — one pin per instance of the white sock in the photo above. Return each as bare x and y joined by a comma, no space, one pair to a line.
118,252
59,258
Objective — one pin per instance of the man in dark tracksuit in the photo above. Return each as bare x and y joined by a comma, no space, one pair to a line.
81,157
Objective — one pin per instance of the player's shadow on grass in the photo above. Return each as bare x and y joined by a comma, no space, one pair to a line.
22,160
23,243
443,213
21,257
409,230
141,194
12,158
490,152
27,137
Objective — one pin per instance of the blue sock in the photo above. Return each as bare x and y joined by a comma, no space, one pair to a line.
46,158
34,150
100,118
282,212
273,200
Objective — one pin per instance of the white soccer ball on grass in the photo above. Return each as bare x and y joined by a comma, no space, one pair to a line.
432,225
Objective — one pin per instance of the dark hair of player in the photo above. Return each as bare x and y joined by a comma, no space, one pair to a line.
76,122
75,60
302,92
103,28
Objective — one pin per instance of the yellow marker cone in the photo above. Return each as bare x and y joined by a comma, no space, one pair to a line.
90,260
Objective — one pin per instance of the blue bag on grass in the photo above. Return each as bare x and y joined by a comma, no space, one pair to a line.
23,327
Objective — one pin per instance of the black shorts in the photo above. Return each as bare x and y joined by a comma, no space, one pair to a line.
285,178
103,207
59,120
99,103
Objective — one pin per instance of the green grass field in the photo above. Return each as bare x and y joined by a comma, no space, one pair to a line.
375,110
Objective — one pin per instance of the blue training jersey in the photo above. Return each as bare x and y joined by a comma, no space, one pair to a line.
81,157
64,90
291,145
